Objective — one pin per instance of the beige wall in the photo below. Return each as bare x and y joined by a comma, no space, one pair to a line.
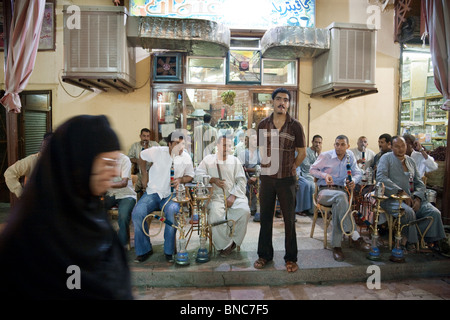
370,115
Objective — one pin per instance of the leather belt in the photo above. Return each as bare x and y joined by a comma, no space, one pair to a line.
332,187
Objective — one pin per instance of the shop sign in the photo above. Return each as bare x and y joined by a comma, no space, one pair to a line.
235,14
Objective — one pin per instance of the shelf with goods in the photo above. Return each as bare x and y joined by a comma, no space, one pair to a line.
436,121
420,113
423,118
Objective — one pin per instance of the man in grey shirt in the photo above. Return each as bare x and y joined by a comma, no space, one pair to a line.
400,176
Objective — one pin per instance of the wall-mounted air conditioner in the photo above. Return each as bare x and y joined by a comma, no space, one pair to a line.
347,70
96,50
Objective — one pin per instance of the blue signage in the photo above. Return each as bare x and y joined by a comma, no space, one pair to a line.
235,14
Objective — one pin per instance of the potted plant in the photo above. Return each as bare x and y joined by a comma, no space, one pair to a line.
228,97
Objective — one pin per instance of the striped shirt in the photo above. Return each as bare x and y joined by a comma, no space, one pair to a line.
277,147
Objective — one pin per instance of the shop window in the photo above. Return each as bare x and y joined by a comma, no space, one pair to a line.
245,43
417,109
169,111
279,72
34,121
405,114
262,107
421,113
223,115
431,87
406,89
206,70
244,66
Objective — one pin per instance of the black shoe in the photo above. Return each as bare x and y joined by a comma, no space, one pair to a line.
143,257
278,214
169,257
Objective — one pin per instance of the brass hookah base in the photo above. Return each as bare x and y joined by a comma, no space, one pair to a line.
202,253
182,256
397,251
397,254
374,253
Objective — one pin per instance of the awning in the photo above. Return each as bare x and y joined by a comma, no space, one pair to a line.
195,36
294,42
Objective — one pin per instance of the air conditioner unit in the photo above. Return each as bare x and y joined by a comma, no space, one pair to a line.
347,70
96,50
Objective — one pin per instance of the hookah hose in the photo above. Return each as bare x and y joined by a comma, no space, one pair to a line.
161,220
226,209
232,226
224,194
349,178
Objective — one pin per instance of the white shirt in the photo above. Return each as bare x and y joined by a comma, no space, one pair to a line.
369,155
231,171
423,165
125,172
159,173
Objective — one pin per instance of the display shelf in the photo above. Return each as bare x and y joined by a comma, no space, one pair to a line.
420,112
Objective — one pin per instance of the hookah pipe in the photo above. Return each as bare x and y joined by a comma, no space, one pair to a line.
224,194
226,209
161,219
349,178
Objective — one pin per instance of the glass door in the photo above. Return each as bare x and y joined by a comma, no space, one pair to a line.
170,114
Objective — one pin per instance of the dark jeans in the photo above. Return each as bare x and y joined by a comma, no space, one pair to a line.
285,190
125,207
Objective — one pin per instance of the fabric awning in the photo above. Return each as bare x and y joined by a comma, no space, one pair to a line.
195,36
294,42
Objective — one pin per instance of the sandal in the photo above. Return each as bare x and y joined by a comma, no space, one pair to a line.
291,266
260,263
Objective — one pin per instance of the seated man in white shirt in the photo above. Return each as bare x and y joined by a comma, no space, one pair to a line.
364,156
23,168
228,181
424,162
123,195
158,193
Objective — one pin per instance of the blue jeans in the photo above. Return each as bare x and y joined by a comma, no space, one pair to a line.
145,206
125,207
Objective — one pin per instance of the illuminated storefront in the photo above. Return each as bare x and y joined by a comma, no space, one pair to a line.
185,86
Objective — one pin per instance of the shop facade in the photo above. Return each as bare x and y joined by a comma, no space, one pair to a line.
159,104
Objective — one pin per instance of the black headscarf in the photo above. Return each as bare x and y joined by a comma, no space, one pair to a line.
58,223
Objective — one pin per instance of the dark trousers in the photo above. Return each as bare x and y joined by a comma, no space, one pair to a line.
285,190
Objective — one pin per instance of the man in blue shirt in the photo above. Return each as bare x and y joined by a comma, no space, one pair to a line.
331,171
304,204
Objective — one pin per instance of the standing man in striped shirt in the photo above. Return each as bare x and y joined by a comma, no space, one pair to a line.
279,137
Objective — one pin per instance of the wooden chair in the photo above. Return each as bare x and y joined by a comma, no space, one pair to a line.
325,212
195,227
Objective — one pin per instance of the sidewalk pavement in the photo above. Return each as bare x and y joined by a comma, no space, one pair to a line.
316,264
